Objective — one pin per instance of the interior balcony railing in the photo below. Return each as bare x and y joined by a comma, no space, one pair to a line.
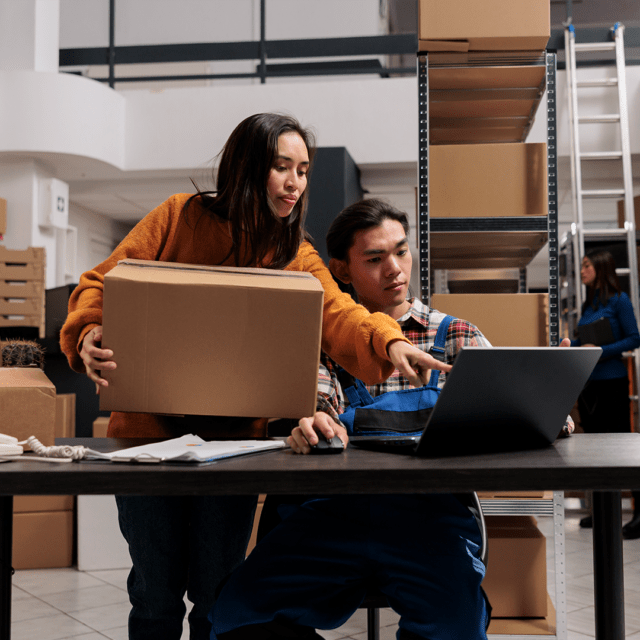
351,53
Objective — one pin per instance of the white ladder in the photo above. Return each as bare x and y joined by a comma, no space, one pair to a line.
623,154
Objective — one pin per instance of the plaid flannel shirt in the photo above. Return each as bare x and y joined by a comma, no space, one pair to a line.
420,325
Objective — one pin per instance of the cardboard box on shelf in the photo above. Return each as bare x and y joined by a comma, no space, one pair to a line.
27,404
485,249
493,25
516,579
488,180
545,626
3,217
42,540
493,314
199,340
636,209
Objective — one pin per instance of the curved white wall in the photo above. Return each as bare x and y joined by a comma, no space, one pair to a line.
61,114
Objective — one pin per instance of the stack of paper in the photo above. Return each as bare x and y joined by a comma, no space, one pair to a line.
188,448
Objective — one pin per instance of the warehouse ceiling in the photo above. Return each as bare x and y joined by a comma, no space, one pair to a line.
127,196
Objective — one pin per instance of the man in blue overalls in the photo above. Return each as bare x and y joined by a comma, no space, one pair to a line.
422,551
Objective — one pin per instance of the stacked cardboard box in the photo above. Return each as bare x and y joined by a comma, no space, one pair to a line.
27,404
492,25
43,526
465,179
494,313
22,286
516,579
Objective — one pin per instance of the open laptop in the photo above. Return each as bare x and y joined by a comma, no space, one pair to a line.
498,399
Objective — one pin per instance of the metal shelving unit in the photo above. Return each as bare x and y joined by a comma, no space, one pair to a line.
457,104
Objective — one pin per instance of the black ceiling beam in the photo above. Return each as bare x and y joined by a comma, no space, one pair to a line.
313,47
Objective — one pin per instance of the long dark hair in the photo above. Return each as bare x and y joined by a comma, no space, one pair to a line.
606,283
240,197
359,216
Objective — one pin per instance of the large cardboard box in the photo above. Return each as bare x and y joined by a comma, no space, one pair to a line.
198,340
27,404
516,579
42,540
488,180
491,25
506,319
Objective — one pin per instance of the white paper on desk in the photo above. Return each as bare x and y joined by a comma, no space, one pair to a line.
187,448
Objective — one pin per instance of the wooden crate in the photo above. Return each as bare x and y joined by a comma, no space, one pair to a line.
22,288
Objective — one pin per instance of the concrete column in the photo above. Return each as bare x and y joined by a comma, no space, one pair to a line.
29,35
21,184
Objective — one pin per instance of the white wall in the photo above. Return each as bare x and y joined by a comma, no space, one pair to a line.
85,23
97,237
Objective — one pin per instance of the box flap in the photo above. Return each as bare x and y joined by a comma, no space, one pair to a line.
461,46
12,377
249,271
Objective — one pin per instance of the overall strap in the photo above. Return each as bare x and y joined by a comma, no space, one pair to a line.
353,388
437,350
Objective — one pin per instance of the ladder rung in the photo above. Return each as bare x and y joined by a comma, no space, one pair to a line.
601,155
603,193
611,233
608,118
595,46
623,271
605,82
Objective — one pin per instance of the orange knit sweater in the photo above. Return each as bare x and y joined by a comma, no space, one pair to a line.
354,338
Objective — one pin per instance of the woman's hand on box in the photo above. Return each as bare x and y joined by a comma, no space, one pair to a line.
309,430
95,358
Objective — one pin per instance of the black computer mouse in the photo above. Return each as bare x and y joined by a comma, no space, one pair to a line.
333,445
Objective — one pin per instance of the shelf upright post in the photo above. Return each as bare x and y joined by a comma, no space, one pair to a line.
423,178
552,214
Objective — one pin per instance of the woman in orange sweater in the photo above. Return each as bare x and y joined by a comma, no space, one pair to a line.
255,217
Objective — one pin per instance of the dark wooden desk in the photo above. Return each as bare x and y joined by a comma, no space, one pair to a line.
604,463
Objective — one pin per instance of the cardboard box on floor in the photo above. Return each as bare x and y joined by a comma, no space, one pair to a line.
43,540
43,526
488,180
27,404
506,319
199,340
100,426
516,579
491,25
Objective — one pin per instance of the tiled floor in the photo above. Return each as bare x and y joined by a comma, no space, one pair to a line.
65,604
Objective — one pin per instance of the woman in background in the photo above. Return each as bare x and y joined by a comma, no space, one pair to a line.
604,402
